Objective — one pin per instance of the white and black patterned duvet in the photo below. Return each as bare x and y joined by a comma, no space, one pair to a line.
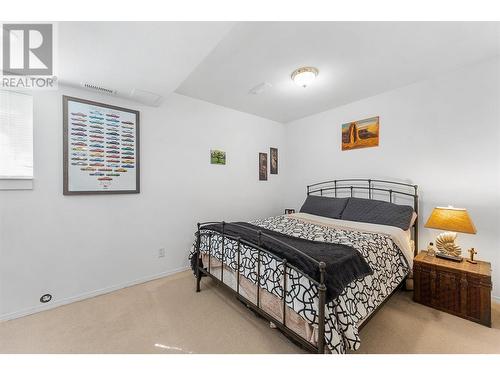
355,303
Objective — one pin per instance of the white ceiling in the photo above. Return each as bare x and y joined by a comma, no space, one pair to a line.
150,56
355,60
220,62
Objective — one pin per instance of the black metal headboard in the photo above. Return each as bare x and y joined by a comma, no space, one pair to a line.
371,188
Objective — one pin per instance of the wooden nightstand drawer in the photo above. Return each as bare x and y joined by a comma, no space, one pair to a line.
462,289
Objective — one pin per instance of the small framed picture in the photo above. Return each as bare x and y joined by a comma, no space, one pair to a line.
273,154
262,166
217,157
360,134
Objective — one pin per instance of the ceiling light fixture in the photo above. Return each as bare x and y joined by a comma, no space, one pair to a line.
304,76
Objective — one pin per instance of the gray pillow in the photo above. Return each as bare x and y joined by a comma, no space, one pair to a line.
378,212
324,206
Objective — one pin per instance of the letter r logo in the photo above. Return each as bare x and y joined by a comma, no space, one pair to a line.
27,49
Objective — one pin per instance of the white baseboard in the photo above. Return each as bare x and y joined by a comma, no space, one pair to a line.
80,297
495,298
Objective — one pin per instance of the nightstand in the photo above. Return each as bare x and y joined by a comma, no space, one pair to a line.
458,288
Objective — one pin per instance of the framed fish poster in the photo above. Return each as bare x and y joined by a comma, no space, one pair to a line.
101,148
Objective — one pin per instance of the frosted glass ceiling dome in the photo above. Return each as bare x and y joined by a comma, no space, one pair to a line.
304,76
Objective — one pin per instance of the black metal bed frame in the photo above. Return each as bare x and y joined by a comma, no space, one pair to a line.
323,188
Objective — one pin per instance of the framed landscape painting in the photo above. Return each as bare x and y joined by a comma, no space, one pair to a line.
101,148
360,134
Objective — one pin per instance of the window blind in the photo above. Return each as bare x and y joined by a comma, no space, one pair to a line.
16,135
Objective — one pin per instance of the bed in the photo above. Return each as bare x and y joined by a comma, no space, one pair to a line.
319,301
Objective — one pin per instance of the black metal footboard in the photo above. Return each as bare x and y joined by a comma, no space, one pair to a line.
256,307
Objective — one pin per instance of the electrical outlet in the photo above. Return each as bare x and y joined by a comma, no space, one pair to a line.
45,298
161,253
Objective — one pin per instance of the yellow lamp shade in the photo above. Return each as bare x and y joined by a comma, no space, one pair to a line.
451,219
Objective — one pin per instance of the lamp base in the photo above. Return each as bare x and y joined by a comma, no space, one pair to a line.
449,257
445,243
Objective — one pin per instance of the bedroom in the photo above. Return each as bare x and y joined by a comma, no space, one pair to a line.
338,147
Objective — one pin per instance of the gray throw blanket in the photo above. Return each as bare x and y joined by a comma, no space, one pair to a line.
343,263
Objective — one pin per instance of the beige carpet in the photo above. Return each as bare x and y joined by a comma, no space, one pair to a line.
167,316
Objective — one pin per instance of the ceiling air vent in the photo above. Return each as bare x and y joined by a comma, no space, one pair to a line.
93,87
260,88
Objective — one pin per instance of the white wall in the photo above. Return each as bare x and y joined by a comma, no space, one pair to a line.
442,134
50,243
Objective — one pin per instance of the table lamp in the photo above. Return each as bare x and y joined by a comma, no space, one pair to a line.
451,220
